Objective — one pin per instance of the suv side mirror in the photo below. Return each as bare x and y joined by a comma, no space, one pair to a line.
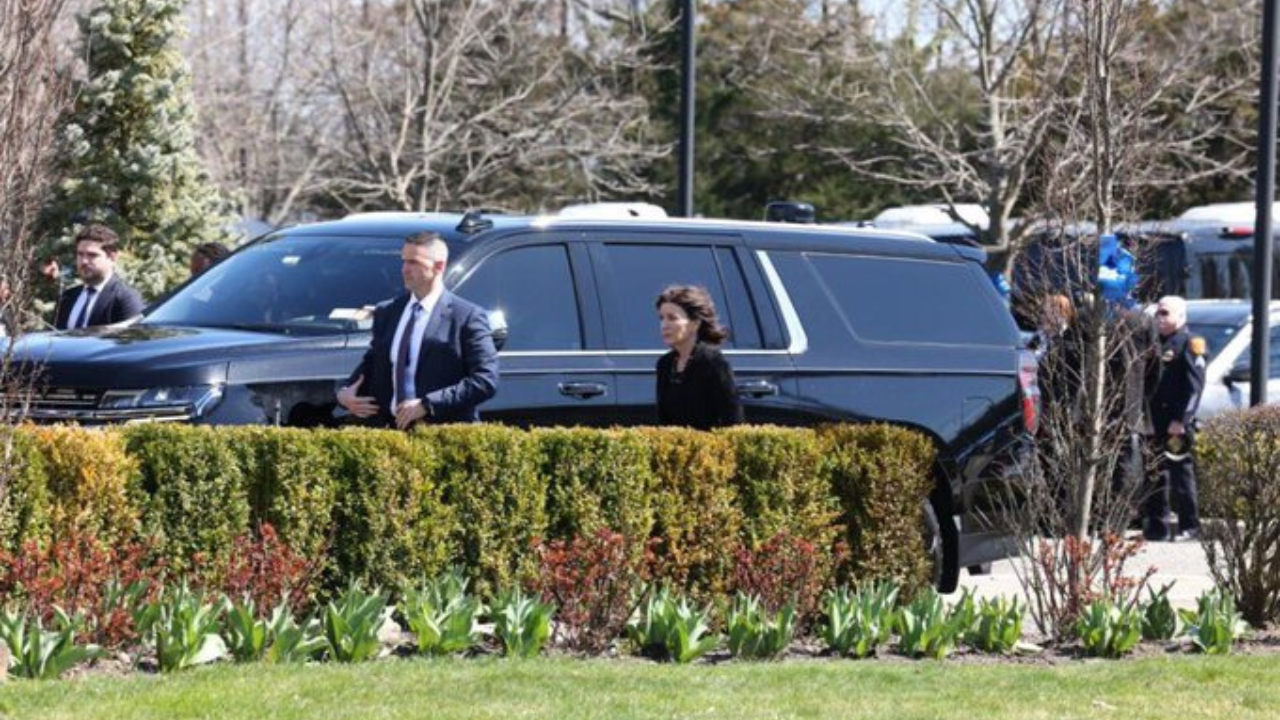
498,326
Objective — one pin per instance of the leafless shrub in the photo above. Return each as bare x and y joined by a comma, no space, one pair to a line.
33,91
1109,144
1070,508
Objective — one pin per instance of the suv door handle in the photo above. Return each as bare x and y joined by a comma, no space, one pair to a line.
757,388
582,390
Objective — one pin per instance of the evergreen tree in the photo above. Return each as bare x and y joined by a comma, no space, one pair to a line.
129,156
765,108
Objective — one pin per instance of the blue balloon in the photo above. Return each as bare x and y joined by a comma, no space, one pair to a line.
1117,273
1002,284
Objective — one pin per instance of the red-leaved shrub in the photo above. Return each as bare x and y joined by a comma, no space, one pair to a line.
265,569
782,569
593,582
80,574
1072,573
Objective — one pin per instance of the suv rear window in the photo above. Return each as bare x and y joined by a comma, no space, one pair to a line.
913,301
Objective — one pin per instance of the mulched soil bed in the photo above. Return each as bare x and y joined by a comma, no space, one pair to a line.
1265,642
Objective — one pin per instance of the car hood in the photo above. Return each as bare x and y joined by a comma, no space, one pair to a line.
143,355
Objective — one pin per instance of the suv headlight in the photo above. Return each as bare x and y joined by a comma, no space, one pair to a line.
198,398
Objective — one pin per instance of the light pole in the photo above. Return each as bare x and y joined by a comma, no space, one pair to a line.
688,88
1266,182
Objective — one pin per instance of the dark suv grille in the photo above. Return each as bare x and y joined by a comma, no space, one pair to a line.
55,405
66,399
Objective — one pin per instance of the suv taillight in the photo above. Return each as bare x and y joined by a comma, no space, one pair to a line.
1028,368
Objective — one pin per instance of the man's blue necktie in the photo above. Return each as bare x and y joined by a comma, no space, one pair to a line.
83,319
402,355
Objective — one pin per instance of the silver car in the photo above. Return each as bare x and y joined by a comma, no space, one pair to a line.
1227,327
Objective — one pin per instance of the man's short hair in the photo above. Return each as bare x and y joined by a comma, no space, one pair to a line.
101,234
1177,307
212,251
434,243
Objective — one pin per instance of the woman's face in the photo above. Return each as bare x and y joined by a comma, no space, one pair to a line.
677,329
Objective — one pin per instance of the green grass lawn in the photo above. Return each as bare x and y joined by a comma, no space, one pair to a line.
1182,687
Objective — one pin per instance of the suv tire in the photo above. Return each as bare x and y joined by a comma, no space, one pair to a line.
942,544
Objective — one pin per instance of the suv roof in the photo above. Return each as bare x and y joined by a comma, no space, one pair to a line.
882,240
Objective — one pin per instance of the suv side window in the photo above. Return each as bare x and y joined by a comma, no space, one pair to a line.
1274,370
533,288
636,274
1246,356
912,301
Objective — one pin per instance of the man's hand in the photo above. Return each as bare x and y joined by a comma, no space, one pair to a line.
361,407
409,412
50,270
1177,428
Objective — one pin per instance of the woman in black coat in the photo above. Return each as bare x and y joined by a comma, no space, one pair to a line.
695,382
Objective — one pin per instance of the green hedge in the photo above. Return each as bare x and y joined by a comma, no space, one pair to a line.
696,515
388,507
197,495
24,501
880,475
596,480
1238,468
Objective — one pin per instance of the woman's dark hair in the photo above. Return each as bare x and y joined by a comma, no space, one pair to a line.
214,252
697,304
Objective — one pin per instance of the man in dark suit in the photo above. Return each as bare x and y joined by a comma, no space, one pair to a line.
102,298
432,357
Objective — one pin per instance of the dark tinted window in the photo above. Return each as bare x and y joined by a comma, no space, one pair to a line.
302,284
1275,353
1225,275
533,289
1216,336
1246,357
745,325
914,301
638,273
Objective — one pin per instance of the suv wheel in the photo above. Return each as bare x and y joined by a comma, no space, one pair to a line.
942,544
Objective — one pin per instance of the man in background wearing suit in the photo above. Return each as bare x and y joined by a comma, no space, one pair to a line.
432,357
102,298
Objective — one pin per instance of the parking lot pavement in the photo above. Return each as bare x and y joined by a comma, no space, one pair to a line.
1182,563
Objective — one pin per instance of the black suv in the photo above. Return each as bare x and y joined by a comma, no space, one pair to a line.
827,324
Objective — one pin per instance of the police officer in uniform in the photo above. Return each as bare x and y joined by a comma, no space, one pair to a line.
1174,382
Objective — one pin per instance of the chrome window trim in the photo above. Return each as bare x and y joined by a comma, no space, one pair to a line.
790,318
629,353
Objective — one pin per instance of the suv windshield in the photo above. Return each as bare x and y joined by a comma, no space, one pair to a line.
308,284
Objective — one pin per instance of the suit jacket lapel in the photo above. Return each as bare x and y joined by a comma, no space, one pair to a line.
437,328
99,315
394,311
